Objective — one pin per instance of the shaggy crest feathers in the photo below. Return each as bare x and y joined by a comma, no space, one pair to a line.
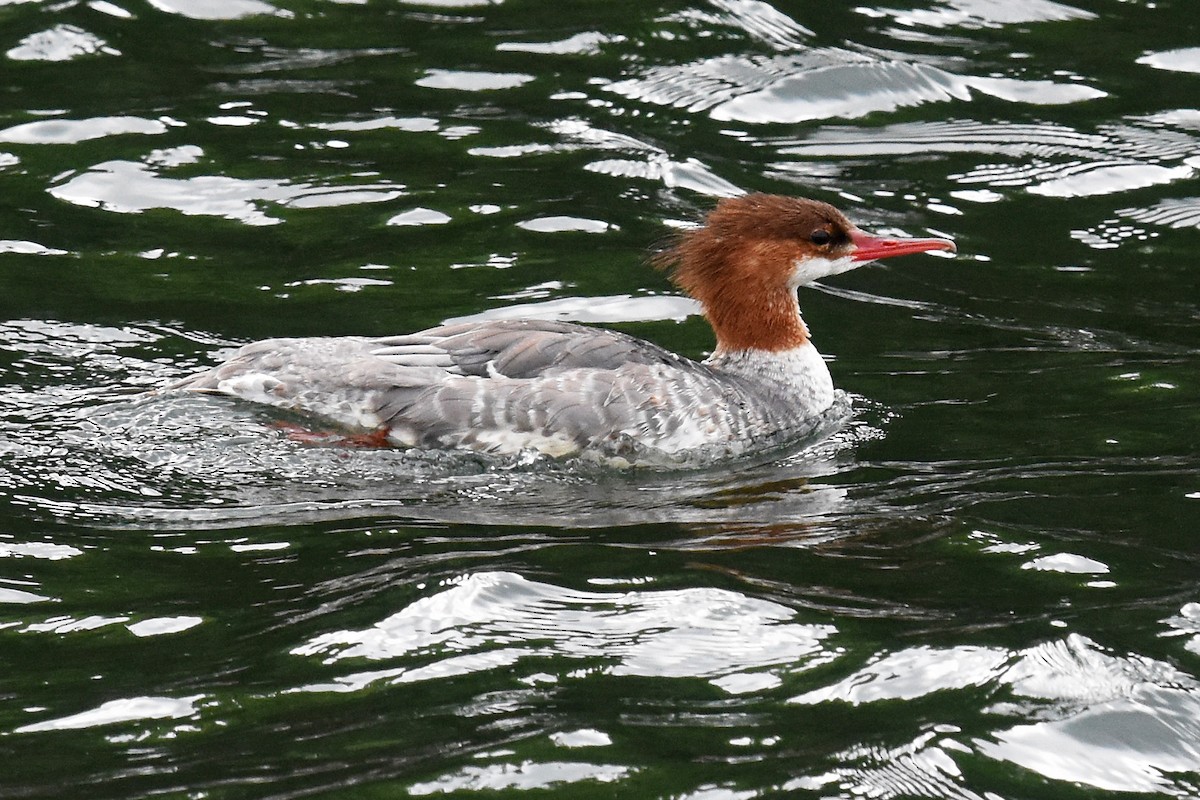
739,266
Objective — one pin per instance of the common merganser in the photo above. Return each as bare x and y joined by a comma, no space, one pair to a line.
563,389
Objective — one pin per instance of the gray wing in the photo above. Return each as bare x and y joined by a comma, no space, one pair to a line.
520,349
337,379
564,411
498,387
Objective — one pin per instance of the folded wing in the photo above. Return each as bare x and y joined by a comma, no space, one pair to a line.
520,348
497,387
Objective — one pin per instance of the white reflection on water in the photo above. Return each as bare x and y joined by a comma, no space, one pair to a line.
687,174
29,248
19,597
924,767
159,626
653,162
760,20
825,84
406,124
217,9
419,216
564,224
698,632
467,81
68,624
67,339
1097,179
981,13
584,737
127,709
60,43
129,187
44,550
448,4
1187,623
913,673
1119,723
587,43
1046,159
1068,563
1185,59
352,284
73,131
1176,212
523,776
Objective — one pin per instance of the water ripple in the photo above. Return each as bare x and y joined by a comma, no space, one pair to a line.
281,59
60,43
1178,212
979,585
127,709
1121,724
925,767
823,83
981,13
218,9
763,22
1117,723
130,187
73,131
523,776
494,619
1186,59
1046,158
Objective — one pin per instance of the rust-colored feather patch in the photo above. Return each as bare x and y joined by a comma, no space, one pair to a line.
739,266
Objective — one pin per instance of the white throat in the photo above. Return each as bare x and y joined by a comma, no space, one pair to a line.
807,270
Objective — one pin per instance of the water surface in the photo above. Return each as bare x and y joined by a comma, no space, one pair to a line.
979,583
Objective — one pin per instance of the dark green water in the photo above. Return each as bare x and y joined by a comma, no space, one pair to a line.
984,585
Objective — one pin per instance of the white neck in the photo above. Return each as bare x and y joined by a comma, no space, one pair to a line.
798,374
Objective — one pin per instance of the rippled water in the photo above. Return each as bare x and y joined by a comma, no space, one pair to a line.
976,580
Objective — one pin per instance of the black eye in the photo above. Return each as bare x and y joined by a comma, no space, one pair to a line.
821,237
